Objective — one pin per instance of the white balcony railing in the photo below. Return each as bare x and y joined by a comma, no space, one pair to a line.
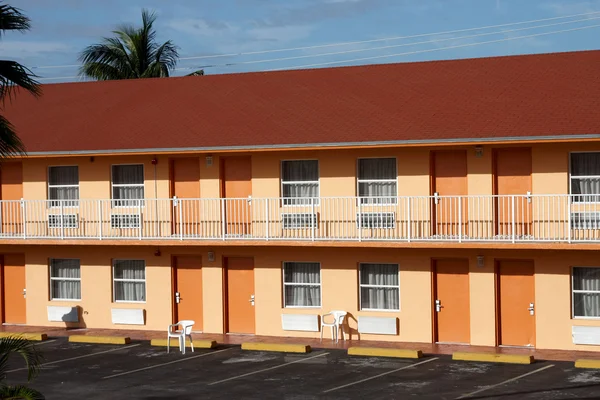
534,218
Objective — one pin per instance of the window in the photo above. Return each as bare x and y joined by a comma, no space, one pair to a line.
586,292
301,284
585,177
379,287
65,279
299,182
377,181
63,186
127,185
129,279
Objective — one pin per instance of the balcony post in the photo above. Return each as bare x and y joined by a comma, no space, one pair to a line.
267,220
62,219
359,220
140,219
223,218
408,218
180,207
512,200
569,218
24,215
99,219
460,219
313,221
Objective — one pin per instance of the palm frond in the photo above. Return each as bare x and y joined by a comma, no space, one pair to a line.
25,348
12,19
20,392
13,75
199,72
109,53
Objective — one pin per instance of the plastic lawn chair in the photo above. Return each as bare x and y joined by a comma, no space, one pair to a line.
180,334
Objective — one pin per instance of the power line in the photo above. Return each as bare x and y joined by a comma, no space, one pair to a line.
396,45
432,50
351,43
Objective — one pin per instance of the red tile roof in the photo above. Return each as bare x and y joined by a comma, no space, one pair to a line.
515,97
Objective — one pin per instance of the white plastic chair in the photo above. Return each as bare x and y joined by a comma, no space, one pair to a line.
186,330
338,321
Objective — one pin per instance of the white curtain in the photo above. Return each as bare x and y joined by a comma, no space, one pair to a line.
69,288
300,171
302,282
377,169
586,304
129,276
586,165
65,177
384,297
124,175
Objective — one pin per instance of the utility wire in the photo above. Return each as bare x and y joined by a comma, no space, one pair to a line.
351,43
432,50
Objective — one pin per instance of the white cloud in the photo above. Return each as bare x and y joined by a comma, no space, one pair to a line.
21,48
567,7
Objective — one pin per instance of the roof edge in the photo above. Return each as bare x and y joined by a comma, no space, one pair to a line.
416,142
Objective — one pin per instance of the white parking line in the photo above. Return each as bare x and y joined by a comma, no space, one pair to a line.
163,364
267,369
45,342
464,396
78,357
380,375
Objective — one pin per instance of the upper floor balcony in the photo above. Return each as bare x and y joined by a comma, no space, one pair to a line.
460,219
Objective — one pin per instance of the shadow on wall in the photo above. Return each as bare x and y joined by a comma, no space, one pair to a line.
350,333
74,319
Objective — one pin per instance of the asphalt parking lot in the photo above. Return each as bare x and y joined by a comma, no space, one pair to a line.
139,371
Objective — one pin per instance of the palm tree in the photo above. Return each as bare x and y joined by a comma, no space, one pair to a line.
33,359
12,76
133,53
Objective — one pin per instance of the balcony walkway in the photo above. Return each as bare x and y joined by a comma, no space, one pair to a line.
326,343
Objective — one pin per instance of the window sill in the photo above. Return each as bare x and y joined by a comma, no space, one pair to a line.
378,310
67,300
128,302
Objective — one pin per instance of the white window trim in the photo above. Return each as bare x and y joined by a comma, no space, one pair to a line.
302,284
573,291
282,183
63,186
360,286
581,177
142,201
52,298
114,292
359,181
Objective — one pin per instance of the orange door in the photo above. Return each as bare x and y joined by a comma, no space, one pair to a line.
240,295
186,185
13,285
11,177
516,292
452,301
237,189
513,177
188,289
450,179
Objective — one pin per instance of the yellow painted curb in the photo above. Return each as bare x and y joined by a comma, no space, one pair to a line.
99,339
491,357
38,337
283,348
198,344
583,363
383,352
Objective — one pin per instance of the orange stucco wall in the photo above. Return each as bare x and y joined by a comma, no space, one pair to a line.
339,274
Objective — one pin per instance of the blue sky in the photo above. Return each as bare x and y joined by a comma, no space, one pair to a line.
62,28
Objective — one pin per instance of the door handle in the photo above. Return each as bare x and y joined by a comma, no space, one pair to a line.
436,198
438,306
177,298
24,293
251,300
529,196
531,309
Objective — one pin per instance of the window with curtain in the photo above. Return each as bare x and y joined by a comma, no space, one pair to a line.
63,186
127,185
65,279
585,177
586,292
377,180
129,280
379,287
300,182
301,284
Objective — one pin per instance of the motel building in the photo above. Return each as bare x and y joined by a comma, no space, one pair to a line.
447,201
